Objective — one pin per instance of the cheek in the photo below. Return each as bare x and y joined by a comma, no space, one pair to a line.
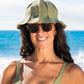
53,33
54,30
32,37
52,36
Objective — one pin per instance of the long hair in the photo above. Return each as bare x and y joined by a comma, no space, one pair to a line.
61,47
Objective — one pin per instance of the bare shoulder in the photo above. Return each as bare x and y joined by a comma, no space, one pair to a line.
10,68
8,73
74,68
75,73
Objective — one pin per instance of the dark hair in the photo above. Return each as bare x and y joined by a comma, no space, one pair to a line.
61,47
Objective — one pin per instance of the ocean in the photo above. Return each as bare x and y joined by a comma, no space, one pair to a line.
10,43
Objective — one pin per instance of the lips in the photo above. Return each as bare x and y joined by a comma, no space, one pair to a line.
42,39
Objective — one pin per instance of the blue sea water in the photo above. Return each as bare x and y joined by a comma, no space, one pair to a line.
10,43
75,40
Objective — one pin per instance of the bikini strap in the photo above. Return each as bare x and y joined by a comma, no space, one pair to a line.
17,71
58,80
62,70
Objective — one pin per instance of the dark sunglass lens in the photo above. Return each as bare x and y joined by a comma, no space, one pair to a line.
46,27
33,28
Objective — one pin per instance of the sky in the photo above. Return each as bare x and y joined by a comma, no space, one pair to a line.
71,12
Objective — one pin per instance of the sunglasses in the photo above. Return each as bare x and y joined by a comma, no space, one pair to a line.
33,28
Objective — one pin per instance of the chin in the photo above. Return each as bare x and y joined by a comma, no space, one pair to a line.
43,46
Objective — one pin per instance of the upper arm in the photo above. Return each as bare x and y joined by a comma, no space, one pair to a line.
76,74
79,75
8,74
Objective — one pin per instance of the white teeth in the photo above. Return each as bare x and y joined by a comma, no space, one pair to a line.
41,38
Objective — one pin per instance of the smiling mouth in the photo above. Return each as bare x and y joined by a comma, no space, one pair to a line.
42,39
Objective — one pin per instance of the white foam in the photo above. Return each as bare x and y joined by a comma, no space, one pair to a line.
79,59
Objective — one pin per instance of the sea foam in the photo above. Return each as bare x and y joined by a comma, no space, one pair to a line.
79,59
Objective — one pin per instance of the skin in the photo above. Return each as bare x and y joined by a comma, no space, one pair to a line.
44,66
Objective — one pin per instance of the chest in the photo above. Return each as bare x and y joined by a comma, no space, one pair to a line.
39,75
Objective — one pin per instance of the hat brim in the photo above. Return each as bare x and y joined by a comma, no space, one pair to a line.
34,20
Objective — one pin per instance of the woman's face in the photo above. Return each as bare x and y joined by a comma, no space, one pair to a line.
43,39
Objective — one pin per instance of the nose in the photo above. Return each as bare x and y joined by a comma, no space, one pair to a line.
40,30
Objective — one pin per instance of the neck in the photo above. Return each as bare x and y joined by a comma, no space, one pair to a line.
44,55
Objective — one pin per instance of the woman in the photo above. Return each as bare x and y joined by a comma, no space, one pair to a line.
45,54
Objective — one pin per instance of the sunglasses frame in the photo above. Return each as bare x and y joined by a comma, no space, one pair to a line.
36,25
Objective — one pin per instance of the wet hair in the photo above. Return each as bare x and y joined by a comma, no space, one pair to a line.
61,47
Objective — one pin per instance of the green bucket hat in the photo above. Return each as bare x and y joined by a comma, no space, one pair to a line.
43,11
